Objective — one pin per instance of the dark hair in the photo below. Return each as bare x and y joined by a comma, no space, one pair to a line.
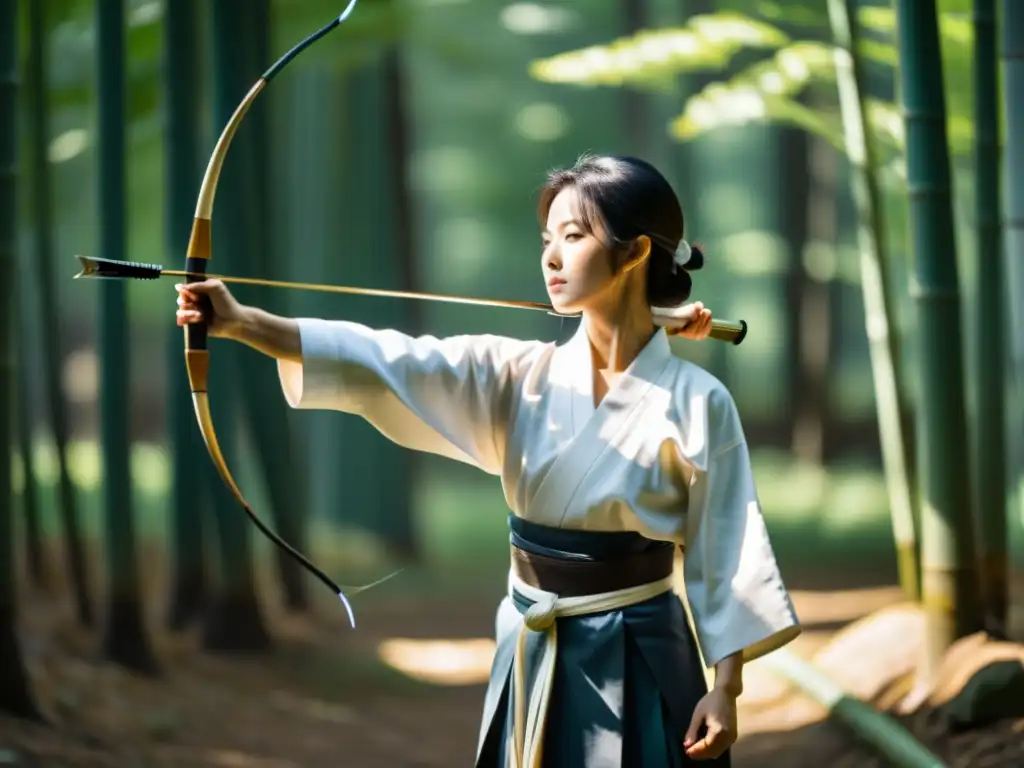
631,198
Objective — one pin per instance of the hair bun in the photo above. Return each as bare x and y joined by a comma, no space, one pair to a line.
696,260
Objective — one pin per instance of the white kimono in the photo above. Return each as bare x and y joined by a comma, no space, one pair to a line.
663,455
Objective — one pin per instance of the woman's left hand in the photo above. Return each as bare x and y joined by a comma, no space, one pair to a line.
698,326
717,712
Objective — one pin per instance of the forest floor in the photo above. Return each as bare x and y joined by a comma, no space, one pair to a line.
406,688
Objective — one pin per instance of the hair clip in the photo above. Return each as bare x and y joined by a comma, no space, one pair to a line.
682,255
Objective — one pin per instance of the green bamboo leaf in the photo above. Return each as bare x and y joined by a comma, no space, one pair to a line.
737,28
721,106
706,42
766,93
802,63
789,72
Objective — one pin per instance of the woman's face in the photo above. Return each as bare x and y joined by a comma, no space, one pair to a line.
576,264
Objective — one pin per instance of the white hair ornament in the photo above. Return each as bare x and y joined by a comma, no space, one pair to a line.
682,255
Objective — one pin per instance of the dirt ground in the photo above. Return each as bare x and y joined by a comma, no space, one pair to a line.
326,698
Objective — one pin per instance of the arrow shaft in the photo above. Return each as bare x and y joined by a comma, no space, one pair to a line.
110,269
722,330
353,291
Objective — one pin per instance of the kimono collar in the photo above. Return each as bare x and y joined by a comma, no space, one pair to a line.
648,362
572,374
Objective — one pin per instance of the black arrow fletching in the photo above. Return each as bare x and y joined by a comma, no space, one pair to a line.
111,269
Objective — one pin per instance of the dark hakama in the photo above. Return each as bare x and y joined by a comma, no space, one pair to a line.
626,681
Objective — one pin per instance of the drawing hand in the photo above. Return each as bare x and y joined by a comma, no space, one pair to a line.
699,326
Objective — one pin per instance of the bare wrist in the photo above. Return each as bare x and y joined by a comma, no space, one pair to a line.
246,326
732,688
729,675
276,337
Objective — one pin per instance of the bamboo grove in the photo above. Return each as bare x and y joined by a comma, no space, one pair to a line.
867,98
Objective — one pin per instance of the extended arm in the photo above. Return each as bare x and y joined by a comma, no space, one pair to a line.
448,396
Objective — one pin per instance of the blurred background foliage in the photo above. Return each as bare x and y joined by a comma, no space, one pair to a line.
734,99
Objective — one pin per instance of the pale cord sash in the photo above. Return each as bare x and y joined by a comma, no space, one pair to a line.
528,729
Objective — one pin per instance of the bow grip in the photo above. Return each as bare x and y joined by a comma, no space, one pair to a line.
197,356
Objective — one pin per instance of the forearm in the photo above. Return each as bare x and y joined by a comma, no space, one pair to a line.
729,674
274,336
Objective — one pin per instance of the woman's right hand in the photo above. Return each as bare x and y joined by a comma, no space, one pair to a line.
210,302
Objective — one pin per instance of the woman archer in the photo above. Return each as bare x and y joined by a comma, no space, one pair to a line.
611,452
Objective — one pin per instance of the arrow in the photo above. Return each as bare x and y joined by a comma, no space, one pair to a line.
111,269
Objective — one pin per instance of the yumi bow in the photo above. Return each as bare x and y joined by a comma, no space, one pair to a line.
199,253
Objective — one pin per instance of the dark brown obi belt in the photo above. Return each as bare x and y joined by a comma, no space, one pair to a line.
576,578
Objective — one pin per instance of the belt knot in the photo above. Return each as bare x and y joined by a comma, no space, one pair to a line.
541,615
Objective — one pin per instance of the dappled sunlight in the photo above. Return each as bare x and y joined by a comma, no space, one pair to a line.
839,500
751,252
854,501
541,121
438,661
149,465
443,169
875,651
843,605
68,145
145,13
81,376
768,703
536,19
465,241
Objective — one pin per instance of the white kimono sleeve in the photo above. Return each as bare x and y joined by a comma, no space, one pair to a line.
446,396
733,585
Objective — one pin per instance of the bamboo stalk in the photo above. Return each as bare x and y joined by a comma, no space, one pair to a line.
1013,233
16,695
989,466
125,640
876,287
875,728
949,578
191,473
52,352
